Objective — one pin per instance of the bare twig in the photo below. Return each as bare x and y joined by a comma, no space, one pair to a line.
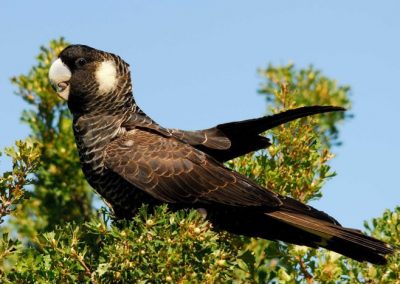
84,265
309,278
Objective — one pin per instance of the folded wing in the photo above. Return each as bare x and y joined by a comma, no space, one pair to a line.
175,172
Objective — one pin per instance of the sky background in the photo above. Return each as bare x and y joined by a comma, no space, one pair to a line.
194,65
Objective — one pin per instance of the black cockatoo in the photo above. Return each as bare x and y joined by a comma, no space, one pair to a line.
129,160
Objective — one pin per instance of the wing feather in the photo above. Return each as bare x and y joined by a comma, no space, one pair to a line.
173,171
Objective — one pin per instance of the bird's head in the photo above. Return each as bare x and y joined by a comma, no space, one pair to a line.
89,78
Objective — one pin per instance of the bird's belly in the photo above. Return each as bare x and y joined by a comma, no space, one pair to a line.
124,198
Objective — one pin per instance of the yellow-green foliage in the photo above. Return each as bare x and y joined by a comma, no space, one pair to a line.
53,234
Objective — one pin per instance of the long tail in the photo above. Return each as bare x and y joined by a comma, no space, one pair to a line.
297,223
349,242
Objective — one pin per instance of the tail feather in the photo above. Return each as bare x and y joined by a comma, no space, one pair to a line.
349,242
293,205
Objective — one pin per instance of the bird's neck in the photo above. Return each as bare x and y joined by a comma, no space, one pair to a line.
92,134
94,104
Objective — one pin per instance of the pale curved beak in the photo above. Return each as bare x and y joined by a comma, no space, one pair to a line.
60,75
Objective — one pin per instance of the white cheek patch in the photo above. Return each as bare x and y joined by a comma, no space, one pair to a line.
106,76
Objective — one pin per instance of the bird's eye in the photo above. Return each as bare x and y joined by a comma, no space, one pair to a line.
80,62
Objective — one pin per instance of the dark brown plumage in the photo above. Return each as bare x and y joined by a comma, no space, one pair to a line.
130,160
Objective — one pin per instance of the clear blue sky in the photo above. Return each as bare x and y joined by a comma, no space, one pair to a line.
194,65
